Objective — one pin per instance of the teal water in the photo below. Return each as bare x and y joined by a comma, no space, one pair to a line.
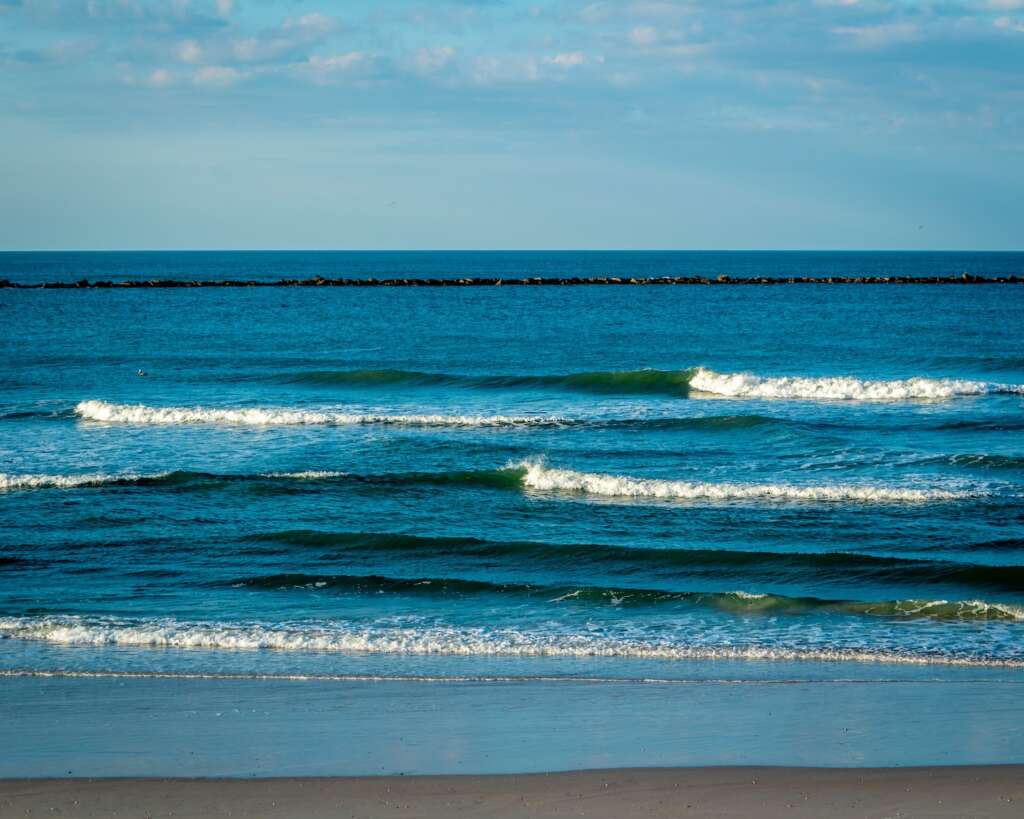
640,483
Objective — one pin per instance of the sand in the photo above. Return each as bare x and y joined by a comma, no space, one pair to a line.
815,793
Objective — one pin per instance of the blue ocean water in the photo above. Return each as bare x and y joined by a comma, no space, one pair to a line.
595,482
268,265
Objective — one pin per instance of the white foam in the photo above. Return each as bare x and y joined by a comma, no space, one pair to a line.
308,475
345,637
9,481
746,385
14,481
540,477
142,414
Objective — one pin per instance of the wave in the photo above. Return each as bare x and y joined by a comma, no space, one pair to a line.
93,410
8,481
844,567
627,382
41,673
736,602
746,385
345,637
141,414
528,475
979,461
677,383
537,476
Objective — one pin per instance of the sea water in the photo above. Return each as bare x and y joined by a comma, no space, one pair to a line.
588,482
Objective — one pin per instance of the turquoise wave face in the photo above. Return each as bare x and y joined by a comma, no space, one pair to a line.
463,482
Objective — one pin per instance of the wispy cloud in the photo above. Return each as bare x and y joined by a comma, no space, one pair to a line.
648,85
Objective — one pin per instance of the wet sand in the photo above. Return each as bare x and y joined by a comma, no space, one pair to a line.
990,791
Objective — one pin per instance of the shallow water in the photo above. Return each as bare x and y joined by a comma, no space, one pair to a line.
556,482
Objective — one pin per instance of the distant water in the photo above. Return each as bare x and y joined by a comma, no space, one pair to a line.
543,482
29,268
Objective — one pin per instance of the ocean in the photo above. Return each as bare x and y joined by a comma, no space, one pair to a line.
512,483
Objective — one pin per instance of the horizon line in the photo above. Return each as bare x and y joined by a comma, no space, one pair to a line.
506,250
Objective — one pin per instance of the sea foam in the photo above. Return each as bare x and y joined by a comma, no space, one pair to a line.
340,636
529,475
746,385
543,478
142,414
10,481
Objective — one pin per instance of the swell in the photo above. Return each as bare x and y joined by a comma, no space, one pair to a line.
340,636
735,602
658,382
679,383
844,567
141,414
978,461
527,475
496,478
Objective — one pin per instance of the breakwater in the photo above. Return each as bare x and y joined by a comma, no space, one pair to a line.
535,281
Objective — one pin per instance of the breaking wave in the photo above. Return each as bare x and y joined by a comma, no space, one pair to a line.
537,476
674,383
341,636
746,385
142,414
528,475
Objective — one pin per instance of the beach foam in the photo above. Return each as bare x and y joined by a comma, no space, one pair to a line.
9,481
344,637
540,477
746,385
529,475
141,414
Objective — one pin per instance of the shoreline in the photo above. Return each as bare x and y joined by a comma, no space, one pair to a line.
178,728
320,281
981,791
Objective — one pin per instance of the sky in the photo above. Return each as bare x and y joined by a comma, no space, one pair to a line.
734,124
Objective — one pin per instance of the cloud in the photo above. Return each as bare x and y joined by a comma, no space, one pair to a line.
189,51
595,13
643,35
869,38
158,78
488,69
290,41
220,76
662,9
568,60
1008,24
315,24
431,60
324,70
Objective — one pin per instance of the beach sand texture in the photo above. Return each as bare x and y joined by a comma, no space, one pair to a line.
992,791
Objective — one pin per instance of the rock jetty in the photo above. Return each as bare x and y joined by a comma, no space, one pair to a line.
320,281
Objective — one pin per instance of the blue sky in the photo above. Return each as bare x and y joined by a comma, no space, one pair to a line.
508,124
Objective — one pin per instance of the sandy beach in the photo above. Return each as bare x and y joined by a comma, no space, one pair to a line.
992,791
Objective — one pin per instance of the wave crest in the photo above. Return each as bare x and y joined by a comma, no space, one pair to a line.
94,410
747,385
540,477
441,640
